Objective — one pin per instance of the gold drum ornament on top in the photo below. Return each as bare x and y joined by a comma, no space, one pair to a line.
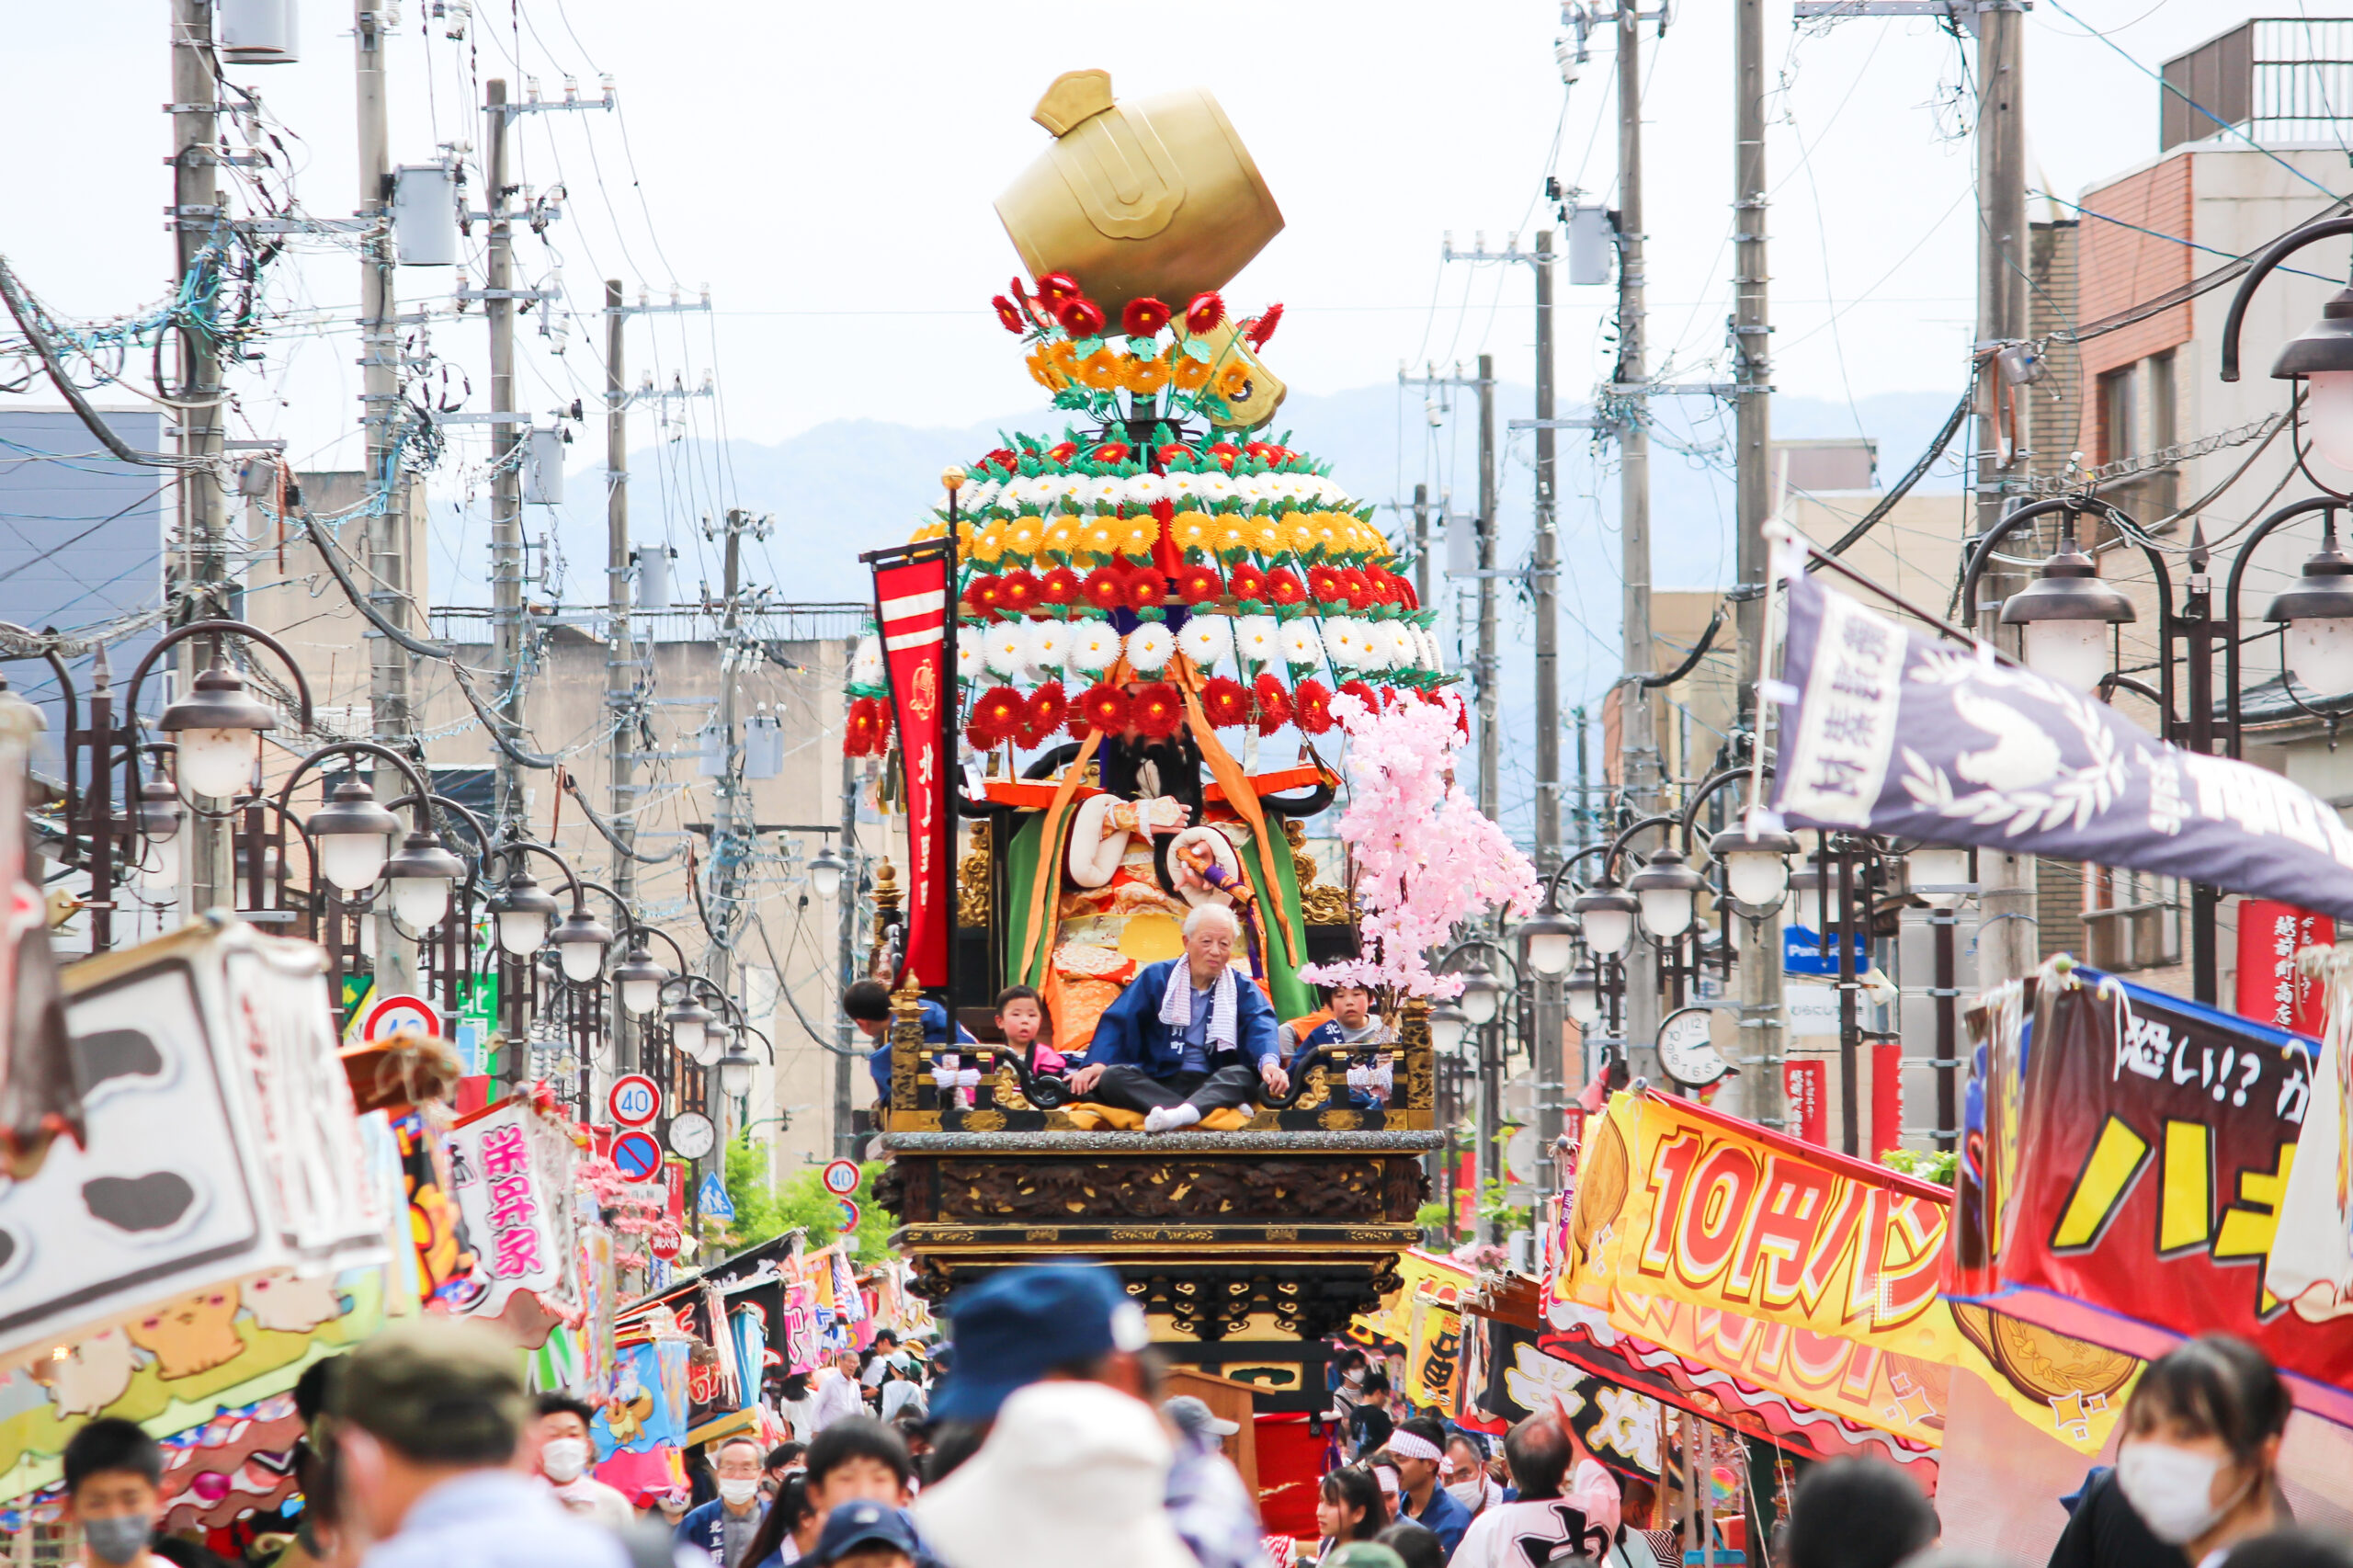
1156,198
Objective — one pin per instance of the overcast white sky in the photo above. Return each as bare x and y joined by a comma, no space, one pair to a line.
829,171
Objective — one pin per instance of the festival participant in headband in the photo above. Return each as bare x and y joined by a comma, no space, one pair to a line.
1419,1448
1188,1035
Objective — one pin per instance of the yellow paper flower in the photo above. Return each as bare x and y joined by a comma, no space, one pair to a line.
990,544
1233,378
1233,536
1144,376
1021,538
1189,374
965,533
1060,536
1266,535
1098,535
1190,531
1326,530
1063,357
929,530
1297,533
1138,535
1101,370
1043,370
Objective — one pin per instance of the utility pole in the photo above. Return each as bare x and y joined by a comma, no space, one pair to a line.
620,646
1637,734
853,873
1422,545
392,716
1552,1084
196,212
2007,942
1758,957
1490,739
506,472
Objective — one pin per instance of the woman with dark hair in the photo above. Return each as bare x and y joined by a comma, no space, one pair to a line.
1351,1509
788,1531
2198,1464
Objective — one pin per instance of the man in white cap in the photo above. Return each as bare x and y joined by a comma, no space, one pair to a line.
1207,1498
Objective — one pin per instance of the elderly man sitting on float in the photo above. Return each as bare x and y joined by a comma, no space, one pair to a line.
1188,1036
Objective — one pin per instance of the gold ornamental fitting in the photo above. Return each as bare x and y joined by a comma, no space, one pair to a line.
1154,199
951,478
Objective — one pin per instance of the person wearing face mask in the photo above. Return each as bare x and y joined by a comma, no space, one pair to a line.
114,1475
565,1452
2196,1469
726,1526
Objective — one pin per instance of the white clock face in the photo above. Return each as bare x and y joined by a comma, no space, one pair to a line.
692,1135
1684,1052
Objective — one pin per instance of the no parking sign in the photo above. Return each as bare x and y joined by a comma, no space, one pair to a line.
636,1155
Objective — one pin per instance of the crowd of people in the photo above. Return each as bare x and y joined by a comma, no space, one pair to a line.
1041,1434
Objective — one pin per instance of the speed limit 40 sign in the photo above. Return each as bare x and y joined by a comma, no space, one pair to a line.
841,1178
635,1100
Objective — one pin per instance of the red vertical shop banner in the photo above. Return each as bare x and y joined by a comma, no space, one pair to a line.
2270,991
1805,1086
673,1179
911,603
1887,1097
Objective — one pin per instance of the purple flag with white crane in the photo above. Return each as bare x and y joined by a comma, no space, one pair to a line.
1887,731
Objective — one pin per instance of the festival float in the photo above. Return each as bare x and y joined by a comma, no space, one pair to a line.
1117,670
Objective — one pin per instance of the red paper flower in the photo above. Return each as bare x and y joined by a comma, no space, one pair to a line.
1105,588
1062,451
1177,452
1059,586
1311,705
1257,334
1324,586
996,718
1103,707
1283,586
1144,317
1110,453
1204,312
1155,710
1358,588
1362,693
1384,584
1056,286
1141,588
1017,591
1004,458
984,595
1225,702
1247,582
1198,584
1225,452
1010,314
1049,711
1274,703
862,730
1080,316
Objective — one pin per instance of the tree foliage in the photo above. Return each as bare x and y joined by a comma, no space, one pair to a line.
766,1208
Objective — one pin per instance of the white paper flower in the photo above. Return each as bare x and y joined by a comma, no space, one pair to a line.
1344,639
1207,638
1183,484
1106,492
1008,647
1092,646
865,668
968,658
1149,646
1050,646
1300,645
1218,487
1432,657
1404,651
1144,489
1252,487
1328,493
1257,638
1021,495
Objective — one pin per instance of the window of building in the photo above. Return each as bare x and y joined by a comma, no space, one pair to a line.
2120,422
2132,919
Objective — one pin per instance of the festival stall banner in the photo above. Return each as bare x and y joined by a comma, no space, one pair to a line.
1886,731
1425,1274
2155,1139
1678,1200
647,1407
1620,1426
221,1148
1434,1356
912,594
512,1166
2311,1266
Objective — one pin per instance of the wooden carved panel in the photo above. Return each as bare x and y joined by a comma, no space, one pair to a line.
1164,1187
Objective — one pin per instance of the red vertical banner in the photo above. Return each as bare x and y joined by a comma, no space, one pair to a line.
1887,1097
674,1176
911,605
1806,1086
2269,989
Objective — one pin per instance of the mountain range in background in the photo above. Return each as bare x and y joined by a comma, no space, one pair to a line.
858,484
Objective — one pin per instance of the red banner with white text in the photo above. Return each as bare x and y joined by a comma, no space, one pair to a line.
911,604
2270,990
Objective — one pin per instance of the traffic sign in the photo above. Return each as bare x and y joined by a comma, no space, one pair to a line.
850,1216
393,1015
841,1178
665,1241
636,1099
638,1156
711,1200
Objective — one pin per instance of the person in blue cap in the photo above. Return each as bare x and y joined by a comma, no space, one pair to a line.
866,1535
1022,1325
